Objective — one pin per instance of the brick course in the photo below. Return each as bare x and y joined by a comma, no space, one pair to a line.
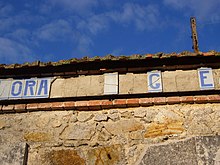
104,104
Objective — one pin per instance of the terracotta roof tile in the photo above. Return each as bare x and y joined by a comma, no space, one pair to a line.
110,57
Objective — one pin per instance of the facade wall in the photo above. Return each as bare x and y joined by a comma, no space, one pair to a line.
113,130
130,83
110,136
111,83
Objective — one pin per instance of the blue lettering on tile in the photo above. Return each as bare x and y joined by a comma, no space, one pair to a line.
151,83
43,88
16,89
154,81
30,87
205,78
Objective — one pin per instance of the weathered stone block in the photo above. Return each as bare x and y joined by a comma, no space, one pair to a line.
183,152
140,83
126,114
136,135
56,123
113,155
13,154
123,126
216,77
178,81
193,151
114,116
84,116
208,149
187,80
78,131
169,81
133,83
201,121
64,87
42,121
96,85
199,129
38,136
140,112
70,87
57,88
101,117
83,85
161,129
56,157
78,86
104,135
126,83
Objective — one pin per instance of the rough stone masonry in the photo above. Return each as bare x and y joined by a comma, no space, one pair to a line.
164,134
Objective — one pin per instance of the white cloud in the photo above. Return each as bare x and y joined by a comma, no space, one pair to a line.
94,24
143,17
84,44
206,10
5,10
23,32
79,6
14,52
21,35
59,30
11,22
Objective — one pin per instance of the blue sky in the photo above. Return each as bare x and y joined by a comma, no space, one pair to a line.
52,30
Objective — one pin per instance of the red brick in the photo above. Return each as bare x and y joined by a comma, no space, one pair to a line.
159,100
82,105
44,106
187,99
173,100
214,98
201,99
8,108
208,54
106,104
20,107
69,105
57,105
94,104
149,55
32,107
132,102
146,101
119,103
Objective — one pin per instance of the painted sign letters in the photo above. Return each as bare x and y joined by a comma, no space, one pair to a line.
24,89
154,81
205,78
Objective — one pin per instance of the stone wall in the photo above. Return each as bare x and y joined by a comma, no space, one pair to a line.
109,136
69,128
130,83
